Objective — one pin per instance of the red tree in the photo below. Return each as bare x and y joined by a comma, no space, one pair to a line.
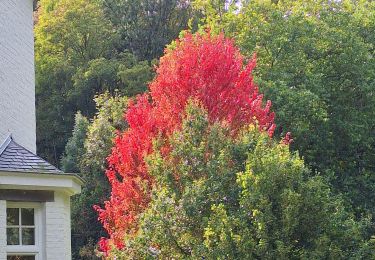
207,68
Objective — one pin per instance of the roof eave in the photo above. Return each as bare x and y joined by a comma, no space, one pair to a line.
70,183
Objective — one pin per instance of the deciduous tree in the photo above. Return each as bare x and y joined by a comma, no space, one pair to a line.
316,63
146,27
218,196
76,60
85,154
206,68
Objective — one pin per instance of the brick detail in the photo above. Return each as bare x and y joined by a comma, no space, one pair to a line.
17,76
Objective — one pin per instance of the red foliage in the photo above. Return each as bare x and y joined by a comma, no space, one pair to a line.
104,245
287,140
202,67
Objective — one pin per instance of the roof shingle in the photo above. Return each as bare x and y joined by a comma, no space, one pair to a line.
14,157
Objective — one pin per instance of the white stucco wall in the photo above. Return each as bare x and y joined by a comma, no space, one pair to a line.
58,228
3,240
17,76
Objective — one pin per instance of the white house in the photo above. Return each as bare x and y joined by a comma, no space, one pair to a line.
34,195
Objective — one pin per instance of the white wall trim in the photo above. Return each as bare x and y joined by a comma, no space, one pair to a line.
68,183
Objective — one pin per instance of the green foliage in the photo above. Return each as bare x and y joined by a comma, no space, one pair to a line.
244,197
101,132
316,63
86,153
123,73
218,197
146,27
74,30
74,149
76,59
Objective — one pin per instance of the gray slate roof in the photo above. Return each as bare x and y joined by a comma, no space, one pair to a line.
15,158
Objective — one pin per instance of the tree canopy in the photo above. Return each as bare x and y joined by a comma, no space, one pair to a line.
200,165
316,63
207,68
85,154
245,197
76,59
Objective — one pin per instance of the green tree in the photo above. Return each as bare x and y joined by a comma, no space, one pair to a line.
123,73
68,34
316,63
244,197
146,27
86,153
74,149
76,60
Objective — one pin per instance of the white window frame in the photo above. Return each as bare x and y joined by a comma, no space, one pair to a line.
35,250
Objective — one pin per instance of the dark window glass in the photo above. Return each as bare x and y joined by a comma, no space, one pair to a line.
20,233
28,236
13,217
21,257
27,217
13,236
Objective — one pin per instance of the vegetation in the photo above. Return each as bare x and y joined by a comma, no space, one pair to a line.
86,153
205,68
315,61
75,60
146,27
211,180
248,197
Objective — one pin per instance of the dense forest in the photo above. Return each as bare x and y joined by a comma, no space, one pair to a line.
164,108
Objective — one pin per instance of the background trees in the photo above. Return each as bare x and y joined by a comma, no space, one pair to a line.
245,197
146,27
84,48
316,63
75,60
85,154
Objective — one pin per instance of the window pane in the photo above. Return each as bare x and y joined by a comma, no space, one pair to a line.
12,216
13,236
21,257
28,237
27,217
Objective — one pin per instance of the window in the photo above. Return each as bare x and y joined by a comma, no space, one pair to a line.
20,226
23,225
